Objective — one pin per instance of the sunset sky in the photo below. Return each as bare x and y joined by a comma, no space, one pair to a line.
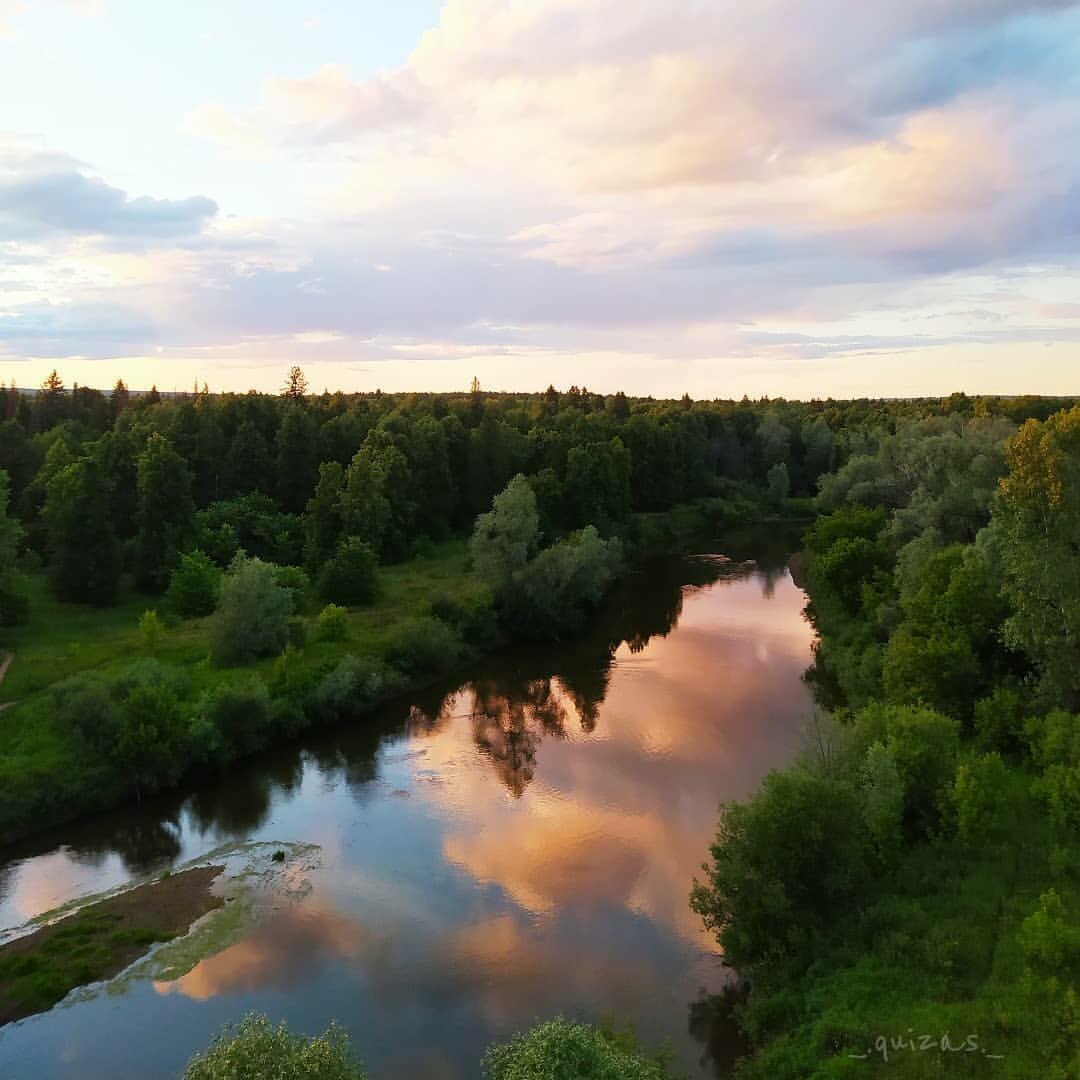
784,197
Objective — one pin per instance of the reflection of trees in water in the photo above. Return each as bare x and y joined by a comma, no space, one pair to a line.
141,841
712,1022
239,806
510,721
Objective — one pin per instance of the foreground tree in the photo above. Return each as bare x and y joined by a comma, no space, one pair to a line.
257,1050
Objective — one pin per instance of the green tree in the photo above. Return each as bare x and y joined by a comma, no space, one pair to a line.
193,586
296,459
505,538
350,577
598,483
561,1050
84,555
1037,519
778,482
252,616
785,866
165,516
980,796
14,607
256,1050
323,520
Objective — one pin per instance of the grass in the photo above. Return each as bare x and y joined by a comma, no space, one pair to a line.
41,969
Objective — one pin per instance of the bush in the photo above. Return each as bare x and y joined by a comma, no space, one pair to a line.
151,630
193,586
240,713
256,1050
999,721
252,618
423,648
350,577
551,595
85,707
296,582
297,632
561,1050
979,797
786,865
354,684
474,620
332,624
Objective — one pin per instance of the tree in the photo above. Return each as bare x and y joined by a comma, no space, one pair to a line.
256,1050
165,515
193,586
561,1050
598,483
551,595
505,538
323,521
84,555
296,460
778,482
1037,522
250,462
14,607
785,866
252,616
365,509
350,577
296,385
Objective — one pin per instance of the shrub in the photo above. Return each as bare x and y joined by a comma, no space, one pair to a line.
297,632
552,594
332,624
252,618
474,620
424,647
84,705
296,582
256,1050
152,744
561,1050
785,865
999,721
151,630
240,713
979,797
350,577
354,684
193,586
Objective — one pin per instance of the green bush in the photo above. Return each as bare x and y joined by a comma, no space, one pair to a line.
561,1050
474,619
256,1050
332,624
785,866
423,648
296,582
240,713
354,684
85,707
351,576
193,586
252,617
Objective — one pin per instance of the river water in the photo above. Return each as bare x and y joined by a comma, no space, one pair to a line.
517,845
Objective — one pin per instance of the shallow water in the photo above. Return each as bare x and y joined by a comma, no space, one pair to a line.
508,848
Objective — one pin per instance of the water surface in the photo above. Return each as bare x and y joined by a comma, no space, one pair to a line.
514,846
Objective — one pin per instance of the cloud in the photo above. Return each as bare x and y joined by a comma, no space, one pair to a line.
73,203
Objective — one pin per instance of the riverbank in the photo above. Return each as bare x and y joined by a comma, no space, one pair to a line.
99,940
432,616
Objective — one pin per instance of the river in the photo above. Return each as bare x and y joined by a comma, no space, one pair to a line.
514,846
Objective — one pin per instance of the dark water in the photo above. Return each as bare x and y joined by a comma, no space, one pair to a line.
506,849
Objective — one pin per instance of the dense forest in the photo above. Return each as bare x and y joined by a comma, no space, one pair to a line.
185,578
909,893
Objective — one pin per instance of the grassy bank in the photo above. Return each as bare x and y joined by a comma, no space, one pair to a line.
431,614
99,941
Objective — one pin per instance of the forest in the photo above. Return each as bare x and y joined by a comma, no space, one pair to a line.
186,578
